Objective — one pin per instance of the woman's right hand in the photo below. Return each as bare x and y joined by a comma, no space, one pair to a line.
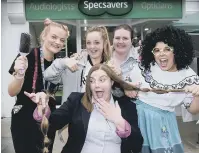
132,93
79,55
75,55
72,64
21,63
40,98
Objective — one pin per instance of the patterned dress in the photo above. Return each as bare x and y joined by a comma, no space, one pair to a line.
156,112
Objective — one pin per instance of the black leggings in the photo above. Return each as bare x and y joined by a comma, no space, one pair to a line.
26,133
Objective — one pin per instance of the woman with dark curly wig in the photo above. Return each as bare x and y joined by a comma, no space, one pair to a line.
165,58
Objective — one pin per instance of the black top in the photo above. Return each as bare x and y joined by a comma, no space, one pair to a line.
73,112
28,80
83,79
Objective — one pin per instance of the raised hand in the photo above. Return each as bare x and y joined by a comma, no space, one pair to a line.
21,63
111,112
76,56
39,98
71,63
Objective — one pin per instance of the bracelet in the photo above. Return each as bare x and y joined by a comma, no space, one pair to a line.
18,76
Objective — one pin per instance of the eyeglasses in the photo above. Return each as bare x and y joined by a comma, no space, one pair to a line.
166,50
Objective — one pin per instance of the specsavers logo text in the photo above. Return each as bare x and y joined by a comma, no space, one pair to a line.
100,7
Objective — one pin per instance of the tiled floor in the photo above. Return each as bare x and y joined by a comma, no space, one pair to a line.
189,133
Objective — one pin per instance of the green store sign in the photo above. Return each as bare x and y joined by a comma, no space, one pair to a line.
103,9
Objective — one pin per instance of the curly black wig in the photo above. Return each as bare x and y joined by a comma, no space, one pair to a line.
174,37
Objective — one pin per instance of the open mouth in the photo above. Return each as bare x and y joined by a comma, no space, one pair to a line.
163,62
99,94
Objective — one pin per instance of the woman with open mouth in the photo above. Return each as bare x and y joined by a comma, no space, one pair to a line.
165,58
98,121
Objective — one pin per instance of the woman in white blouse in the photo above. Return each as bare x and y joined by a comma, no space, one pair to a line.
98,121
165,58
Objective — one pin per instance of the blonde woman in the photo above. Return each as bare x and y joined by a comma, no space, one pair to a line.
26,134
72,72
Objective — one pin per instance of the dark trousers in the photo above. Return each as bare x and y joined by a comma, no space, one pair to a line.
26,133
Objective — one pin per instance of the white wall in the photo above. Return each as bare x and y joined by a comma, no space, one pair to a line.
35,33
194,65
10,37
191,6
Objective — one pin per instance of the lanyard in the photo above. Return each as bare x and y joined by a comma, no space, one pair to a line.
43,69
35,76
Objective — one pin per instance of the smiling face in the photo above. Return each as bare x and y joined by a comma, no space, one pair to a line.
164,57
94,45
100,85
122,41
54,39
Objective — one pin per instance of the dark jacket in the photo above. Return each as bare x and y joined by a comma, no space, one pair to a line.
73,112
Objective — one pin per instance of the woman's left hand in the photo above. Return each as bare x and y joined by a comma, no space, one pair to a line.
110,112
194,89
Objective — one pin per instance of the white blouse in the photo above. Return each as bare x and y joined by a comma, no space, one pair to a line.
164,80
101,135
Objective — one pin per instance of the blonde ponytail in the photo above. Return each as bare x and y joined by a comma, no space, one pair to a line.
44,130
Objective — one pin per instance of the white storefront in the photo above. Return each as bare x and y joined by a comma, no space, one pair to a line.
14,23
